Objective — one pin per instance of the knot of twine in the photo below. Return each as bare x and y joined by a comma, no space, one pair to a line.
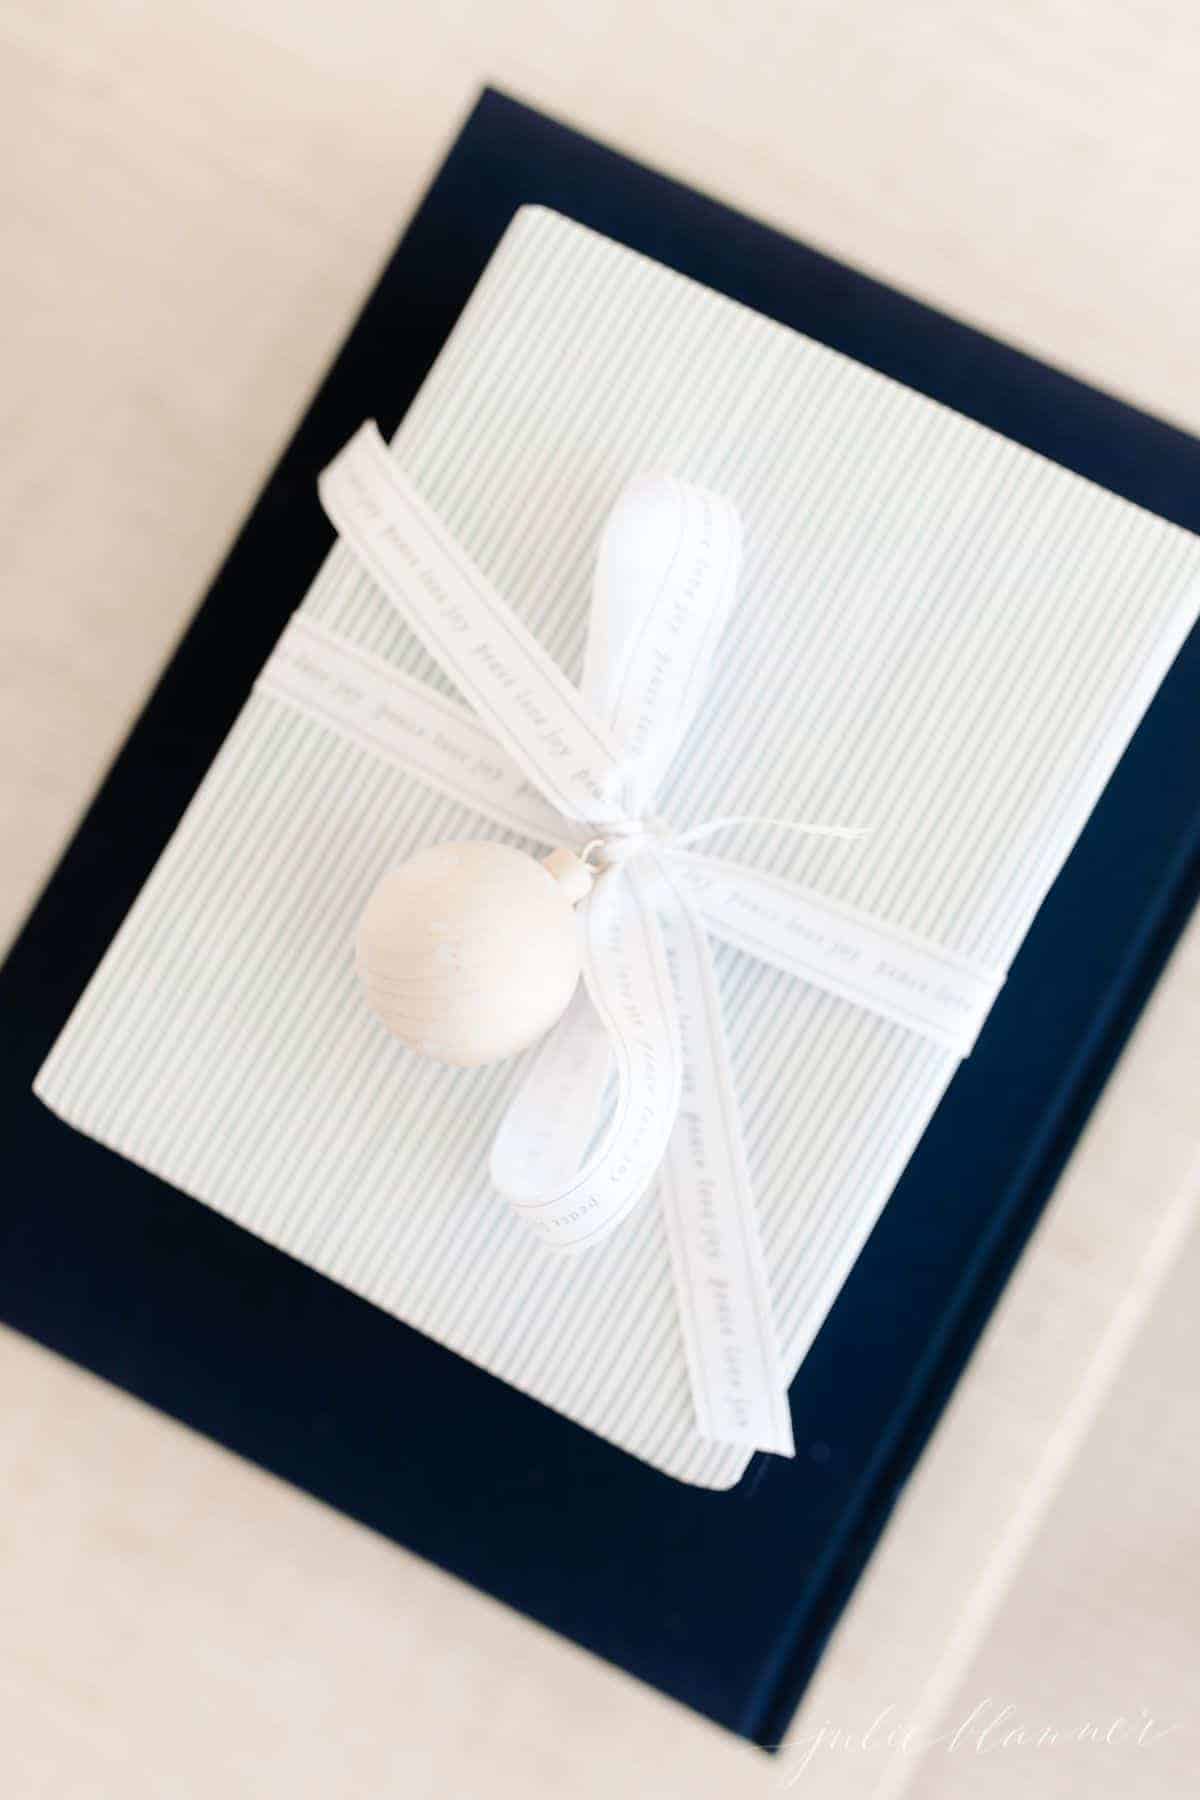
620,843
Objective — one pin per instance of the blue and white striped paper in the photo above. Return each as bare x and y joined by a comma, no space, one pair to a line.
939,634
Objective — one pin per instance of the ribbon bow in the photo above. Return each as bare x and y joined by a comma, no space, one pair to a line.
581,767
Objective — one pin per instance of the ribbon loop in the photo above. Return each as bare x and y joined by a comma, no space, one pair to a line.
629,986
666,571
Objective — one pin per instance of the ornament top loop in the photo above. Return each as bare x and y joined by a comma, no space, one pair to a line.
621,842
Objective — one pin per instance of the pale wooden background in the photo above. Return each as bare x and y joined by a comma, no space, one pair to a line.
197,195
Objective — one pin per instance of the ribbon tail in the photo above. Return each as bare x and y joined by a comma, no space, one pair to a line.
737,1379
518,692
630,995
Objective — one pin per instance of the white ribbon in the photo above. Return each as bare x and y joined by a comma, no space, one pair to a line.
581,766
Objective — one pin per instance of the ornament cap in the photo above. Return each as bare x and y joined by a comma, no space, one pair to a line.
571,873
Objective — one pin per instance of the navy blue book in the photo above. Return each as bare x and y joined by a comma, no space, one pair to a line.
723,1600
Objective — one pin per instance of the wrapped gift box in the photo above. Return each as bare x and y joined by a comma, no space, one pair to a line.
938,630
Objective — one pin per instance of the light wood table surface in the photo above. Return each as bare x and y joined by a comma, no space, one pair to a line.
197,195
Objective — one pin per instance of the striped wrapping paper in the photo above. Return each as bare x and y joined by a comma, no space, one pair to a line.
940,635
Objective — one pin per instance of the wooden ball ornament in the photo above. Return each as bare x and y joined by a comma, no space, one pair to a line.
469,952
